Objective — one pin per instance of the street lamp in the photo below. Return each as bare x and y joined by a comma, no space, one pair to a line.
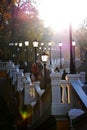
27,44
20,45
16,44
11,50
73,45
44,58
50,44
72,65
16,54
35,45
42,44
60,45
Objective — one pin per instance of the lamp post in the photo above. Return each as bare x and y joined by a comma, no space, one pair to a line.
42,44
50,44
44,58
27,44
60,45
11,50
16,54
35,45
20,45
73,45
72,65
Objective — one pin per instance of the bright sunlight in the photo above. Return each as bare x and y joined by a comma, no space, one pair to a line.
59,13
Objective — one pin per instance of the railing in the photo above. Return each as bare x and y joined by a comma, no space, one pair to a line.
79,102
3,69
30,94
42,109
65,91
66,94
80,96
3,65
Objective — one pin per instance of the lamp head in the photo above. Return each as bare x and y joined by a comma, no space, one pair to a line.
35,43
20,44
73,43
44,57
26,43
60,44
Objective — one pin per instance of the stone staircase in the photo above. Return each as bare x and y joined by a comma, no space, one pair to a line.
52,106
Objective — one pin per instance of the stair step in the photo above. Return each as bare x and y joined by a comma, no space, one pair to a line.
63,124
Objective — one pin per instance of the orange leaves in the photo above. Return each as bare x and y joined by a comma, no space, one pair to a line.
7,16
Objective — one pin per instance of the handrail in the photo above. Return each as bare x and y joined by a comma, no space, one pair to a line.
79,100
43,110
80,92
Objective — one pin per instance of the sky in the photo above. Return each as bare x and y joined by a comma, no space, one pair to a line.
59,13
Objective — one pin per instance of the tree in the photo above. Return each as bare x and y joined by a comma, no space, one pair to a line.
19,21
81,38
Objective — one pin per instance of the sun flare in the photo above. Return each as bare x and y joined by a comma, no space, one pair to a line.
59,13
